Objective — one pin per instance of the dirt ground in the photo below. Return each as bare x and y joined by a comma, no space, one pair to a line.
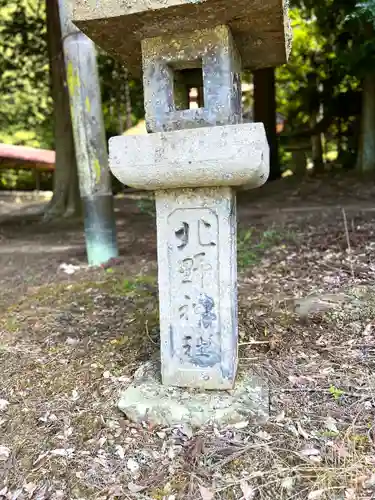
71,337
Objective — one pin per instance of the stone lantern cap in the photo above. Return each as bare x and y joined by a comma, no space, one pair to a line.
234,155
260,28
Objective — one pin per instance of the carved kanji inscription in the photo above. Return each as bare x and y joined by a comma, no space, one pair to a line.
194,286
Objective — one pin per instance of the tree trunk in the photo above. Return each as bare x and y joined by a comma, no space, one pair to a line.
316,147
299,162
366,150
265,112
66,199
120,97
128,102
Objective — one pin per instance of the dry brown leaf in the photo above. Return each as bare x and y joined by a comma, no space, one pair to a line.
241,425
264,435
310,452
195,448
340,450
135,488
280,417
313,495
301,380
4,453
287,483
206,493
3,404
132,465
330,424
30,488
63,452
120,451
247,490
302,431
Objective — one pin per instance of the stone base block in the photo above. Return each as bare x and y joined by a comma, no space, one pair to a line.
147,400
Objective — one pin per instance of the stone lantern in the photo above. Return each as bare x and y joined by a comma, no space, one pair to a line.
193,159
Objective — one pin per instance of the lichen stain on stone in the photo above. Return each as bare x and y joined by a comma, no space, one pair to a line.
70,77
73,79
97,169
88,104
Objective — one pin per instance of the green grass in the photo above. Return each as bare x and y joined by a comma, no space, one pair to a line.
251,246
147,206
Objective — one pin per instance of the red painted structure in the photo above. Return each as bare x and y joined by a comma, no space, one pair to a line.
25,157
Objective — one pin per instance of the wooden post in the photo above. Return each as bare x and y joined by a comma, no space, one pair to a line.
37,179
89,140
265,112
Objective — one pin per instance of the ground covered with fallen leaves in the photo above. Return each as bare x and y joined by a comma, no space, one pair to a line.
71,338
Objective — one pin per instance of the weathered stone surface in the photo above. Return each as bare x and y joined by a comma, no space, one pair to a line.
185,44
319,303
196,228
261,29
196,235
231,155
146,399
169,61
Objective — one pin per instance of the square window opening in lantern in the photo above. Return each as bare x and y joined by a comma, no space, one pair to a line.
188,85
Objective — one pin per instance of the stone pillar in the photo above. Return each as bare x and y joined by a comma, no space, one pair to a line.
193,158
89,140
196,227
197,286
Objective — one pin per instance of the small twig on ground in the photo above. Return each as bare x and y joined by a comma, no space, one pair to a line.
325,391
148,333
348,241
254,342
239,453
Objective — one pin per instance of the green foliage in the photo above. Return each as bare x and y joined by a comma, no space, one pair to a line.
141,285
252,246
147,206
296,95
336,393
333,49
364,11
26,108
317,75
25,103
24,180
113,81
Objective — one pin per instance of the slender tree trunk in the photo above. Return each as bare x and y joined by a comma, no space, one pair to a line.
120,97
316,147
366,150
128,102
299,162
339,140
265,111
65,200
